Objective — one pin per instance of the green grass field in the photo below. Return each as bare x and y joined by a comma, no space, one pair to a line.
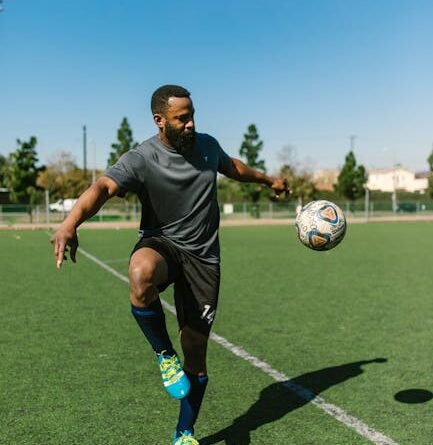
354,326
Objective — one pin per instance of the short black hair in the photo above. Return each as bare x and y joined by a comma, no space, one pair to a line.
160,97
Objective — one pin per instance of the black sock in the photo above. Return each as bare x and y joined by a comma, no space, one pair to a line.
190,405
151,320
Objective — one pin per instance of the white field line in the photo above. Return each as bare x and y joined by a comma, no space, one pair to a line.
304,393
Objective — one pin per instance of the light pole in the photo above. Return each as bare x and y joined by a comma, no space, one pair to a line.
352,142
394,190
94,162
367,203
47,206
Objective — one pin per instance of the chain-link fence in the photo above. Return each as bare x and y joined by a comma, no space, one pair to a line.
38,214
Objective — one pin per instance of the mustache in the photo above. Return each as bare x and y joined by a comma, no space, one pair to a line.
188,134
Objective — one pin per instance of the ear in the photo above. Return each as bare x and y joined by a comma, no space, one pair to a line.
159,120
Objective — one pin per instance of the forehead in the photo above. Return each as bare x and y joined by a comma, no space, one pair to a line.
179,105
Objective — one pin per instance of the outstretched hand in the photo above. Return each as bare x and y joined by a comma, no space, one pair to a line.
64,240
279,186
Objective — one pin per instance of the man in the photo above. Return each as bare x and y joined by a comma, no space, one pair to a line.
174,176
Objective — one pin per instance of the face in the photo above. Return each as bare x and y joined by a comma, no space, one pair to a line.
176,124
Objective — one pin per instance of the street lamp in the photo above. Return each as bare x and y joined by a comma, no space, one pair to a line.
394,189
367,202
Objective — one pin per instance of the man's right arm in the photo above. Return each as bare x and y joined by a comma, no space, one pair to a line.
87,205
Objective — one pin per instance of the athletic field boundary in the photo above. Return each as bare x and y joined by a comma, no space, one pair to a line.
224,222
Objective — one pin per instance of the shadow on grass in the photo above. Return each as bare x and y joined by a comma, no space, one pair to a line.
414,396
279,399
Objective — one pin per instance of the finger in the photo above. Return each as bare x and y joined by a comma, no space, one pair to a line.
55,244
73,252
60,257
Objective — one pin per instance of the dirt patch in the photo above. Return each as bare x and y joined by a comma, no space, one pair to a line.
224,223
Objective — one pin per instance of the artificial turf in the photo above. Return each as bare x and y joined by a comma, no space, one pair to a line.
354,325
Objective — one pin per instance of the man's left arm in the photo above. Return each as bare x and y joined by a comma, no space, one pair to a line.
241,172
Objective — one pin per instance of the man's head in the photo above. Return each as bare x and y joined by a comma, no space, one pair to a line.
173,113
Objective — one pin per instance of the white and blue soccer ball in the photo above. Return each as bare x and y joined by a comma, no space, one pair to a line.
321,225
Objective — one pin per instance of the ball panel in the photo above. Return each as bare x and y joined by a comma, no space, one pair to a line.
317,240
328,213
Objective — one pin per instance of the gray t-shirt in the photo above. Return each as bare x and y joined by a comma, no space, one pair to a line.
178,193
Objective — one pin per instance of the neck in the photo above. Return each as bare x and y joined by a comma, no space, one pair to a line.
164,139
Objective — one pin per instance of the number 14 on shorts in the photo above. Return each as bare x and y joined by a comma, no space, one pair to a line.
208,314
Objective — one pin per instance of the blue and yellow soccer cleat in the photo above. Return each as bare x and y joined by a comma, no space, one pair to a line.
174,379
185,438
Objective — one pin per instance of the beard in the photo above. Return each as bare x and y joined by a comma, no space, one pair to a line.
182,141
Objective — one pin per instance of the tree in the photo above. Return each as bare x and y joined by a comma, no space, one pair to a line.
229,190
3,166
22,171
62,177
125,142
287,156
430,179
250,150
352,178
300,182
298,176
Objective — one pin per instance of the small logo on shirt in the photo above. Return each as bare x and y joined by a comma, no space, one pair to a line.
205,158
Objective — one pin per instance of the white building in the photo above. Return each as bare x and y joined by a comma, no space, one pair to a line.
397,178
325,179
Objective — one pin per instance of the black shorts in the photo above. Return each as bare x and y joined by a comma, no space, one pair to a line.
196,284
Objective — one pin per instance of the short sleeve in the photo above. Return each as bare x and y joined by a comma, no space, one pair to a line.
225,161
128,172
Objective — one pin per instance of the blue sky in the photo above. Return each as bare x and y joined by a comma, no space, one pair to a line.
308,73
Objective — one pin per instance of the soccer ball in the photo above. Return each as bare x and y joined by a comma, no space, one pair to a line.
321,225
